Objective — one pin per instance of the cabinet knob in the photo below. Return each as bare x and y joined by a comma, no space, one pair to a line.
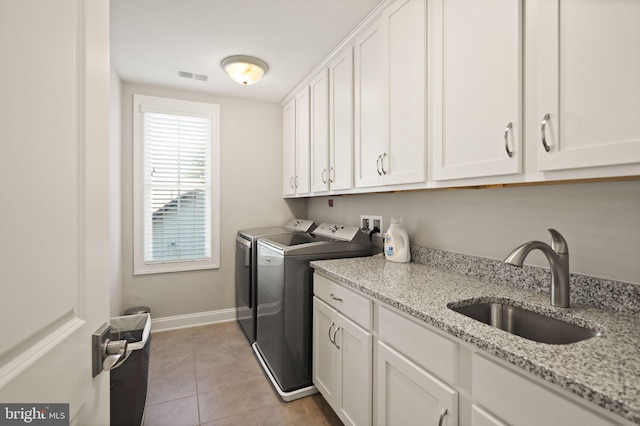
543,127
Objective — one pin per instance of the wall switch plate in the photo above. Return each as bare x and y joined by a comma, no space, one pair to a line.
369,222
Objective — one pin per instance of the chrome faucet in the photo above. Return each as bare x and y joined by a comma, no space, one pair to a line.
558,257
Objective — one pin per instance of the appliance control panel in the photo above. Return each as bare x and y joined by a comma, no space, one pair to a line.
299,225
338,232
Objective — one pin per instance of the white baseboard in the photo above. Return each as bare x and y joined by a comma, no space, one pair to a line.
192,320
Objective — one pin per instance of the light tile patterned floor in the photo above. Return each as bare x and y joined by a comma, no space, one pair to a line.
209,376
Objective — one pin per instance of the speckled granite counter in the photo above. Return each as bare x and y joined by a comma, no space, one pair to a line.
604,370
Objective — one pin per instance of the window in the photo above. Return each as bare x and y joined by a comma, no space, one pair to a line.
176,185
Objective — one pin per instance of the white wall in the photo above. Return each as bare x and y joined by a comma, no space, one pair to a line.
115,203
251,176
600,221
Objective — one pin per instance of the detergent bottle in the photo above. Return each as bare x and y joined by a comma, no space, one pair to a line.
396,242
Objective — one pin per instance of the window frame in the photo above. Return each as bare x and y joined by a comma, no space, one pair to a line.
142,103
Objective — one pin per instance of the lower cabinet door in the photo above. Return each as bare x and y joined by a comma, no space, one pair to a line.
479,417
354,345
533,404
326,364
408,395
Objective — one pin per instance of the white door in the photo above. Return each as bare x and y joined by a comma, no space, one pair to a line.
289,148
408,395
341,121
319,88
54,265
355,351
371,102
405,160
303,142
479,417
477,70
589,83
326,364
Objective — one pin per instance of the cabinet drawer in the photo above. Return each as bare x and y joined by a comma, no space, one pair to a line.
351,304
424,347
533,404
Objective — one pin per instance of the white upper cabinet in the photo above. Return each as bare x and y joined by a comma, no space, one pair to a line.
390,97
332,125
289,148
296,145
341,120
359,123
477,86
303,142
371,103
589,83
319,87
407,25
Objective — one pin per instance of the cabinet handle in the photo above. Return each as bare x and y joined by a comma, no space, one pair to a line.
291,182
324,179
337,299
335,343
382,163
330,327
543,128
442,414
506,139
378,165
332,172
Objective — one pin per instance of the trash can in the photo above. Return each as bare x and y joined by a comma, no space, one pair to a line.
138,310
129,380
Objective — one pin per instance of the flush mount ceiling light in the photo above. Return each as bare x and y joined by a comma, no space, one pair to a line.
244,69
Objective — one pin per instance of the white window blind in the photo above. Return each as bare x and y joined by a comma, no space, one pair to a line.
176,196
177,210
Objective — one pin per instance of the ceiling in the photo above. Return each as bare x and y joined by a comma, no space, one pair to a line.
152,39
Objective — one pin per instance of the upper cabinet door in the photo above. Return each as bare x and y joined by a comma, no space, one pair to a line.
371,103
589,83
303,142
390,97
289,148
341,121
405,160
477,83
319,87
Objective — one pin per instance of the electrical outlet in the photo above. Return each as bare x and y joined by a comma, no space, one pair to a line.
370,222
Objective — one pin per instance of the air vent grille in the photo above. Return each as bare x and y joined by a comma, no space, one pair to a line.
190,75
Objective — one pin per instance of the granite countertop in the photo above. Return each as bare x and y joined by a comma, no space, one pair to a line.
604,370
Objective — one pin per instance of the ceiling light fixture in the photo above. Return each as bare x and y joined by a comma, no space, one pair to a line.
244,69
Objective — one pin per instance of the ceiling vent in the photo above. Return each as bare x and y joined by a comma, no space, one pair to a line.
190,75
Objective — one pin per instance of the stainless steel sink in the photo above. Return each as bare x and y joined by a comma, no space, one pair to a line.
525,323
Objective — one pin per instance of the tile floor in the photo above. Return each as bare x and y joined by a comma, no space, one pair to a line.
208,375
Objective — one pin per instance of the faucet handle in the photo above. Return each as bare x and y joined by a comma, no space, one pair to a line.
558,243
